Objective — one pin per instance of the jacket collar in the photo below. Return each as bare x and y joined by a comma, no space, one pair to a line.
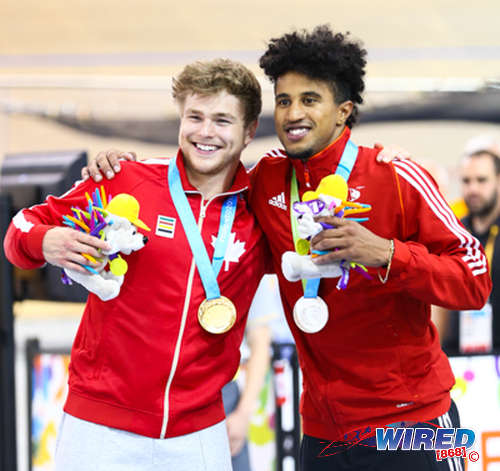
311,171
241,182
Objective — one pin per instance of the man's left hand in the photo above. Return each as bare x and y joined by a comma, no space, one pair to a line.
106,163
391,152
350,241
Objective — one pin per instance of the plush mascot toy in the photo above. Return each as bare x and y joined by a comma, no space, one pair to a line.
329,199
116,222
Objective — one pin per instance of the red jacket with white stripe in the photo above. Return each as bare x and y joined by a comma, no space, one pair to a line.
141,362
378,360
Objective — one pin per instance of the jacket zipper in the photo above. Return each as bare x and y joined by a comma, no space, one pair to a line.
307,176
185,310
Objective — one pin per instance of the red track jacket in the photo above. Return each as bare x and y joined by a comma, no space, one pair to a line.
141,362
378,360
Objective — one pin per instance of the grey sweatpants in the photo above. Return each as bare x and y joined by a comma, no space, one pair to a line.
84,446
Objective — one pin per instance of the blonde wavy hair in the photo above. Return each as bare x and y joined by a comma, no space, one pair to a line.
211,77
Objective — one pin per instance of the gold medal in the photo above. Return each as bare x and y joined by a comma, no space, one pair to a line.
217,315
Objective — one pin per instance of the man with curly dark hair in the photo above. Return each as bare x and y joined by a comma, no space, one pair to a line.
369,353
377,360
321,55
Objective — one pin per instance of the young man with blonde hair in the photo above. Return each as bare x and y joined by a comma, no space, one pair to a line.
147,367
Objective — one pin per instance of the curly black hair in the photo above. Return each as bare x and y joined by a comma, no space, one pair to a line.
322,55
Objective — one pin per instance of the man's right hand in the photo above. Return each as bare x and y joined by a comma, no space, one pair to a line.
106,164
63,247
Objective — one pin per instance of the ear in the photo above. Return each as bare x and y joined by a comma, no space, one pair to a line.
344,110
250,131
119,223
180,109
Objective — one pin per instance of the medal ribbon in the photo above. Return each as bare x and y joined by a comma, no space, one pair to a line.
344,169
208,270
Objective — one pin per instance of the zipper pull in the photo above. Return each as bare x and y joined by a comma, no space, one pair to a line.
203,209
307,177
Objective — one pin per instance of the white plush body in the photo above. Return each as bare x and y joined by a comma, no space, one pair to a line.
123,237
301,267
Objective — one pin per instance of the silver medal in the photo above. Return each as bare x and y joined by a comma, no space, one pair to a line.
310,314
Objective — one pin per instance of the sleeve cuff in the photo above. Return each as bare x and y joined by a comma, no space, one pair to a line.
401,258
35,240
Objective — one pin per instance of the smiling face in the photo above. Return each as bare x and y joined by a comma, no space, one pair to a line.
212,134
306,117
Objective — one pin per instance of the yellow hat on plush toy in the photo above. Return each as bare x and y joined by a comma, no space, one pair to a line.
126,206
333,185
310,195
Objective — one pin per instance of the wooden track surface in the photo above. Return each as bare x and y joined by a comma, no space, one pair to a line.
441,30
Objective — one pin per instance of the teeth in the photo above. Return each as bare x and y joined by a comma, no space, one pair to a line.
206,148
297,131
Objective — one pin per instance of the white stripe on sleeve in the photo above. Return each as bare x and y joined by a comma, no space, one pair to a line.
474,258
21,223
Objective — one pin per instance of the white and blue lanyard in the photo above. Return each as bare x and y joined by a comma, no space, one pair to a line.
344,169
208,270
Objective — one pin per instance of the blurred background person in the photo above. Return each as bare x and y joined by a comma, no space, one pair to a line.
478,331
481,142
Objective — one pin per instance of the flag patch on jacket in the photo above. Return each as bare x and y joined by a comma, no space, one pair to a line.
165,226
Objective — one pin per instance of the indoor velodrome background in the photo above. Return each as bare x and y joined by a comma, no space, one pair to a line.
88,74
